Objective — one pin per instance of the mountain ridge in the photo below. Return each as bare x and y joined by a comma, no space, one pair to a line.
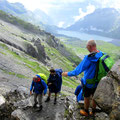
18,9
104,22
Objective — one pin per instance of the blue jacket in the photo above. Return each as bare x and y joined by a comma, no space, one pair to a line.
88,66
56,80
38,87
79,93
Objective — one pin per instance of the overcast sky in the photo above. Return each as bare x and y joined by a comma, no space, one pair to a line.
55,7
46,5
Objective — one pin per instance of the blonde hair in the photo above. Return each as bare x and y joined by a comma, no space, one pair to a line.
35,78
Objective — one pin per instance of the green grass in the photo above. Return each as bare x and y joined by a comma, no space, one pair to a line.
17,21
109,48
59,59
2,53
66,83
66,113
4,46
71,81
15,74
112,50
36,67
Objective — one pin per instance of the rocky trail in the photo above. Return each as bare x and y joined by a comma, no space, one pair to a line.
16,104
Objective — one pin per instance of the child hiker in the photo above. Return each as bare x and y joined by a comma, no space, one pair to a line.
38,86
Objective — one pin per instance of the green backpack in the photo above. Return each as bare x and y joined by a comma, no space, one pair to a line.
43,76
104,64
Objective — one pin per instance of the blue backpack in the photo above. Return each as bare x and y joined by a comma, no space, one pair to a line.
59,82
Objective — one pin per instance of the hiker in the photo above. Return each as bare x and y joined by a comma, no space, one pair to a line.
88,66
54,83
79,93
38,86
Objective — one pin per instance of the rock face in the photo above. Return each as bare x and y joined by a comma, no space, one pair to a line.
34,49
10,94
107,95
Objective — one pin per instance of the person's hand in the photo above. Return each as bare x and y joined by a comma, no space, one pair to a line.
49,83
30,92
65,74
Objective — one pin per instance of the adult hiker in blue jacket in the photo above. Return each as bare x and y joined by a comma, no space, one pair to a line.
79,93
54,83
38,86
88,66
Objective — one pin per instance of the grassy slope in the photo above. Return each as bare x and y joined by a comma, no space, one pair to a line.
79,47
36,66
30,62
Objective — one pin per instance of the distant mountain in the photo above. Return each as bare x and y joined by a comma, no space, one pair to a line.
40,15
37,17
13,8
105,22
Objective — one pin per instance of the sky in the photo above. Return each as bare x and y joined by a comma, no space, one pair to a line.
77,8
46,5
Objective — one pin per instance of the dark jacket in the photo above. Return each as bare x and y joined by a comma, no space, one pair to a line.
56,81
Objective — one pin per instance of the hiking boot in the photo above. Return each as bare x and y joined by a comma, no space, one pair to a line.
48,99
92,113
55,101
40,108
35,105
84,112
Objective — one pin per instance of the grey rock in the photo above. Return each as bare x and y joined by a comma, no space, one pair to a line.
107,95
72,111
2,100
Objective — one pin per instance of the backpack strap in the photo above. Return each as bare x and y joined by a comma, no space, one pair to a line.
92,54
97,69
104,65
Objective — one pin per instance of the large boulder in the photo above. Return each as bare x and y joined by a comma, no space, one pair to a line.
107,95
10,95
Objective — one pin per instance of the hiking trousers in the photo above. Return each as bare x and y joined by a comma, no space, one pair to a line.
38,98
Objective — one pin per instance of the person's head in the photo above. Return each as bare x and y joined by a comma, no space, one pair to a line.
52,71
91,46
37,78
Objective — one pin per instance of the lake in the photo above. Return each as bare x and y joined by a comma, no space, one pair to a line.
84,36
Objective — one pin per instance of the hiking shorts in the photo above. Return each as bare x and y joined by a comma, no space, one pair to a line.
53,88
88,91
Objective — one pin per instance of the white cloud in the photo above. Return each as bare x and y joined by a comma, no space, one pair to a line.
61,24
34,4
116,4
44,5
90,9
109,3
